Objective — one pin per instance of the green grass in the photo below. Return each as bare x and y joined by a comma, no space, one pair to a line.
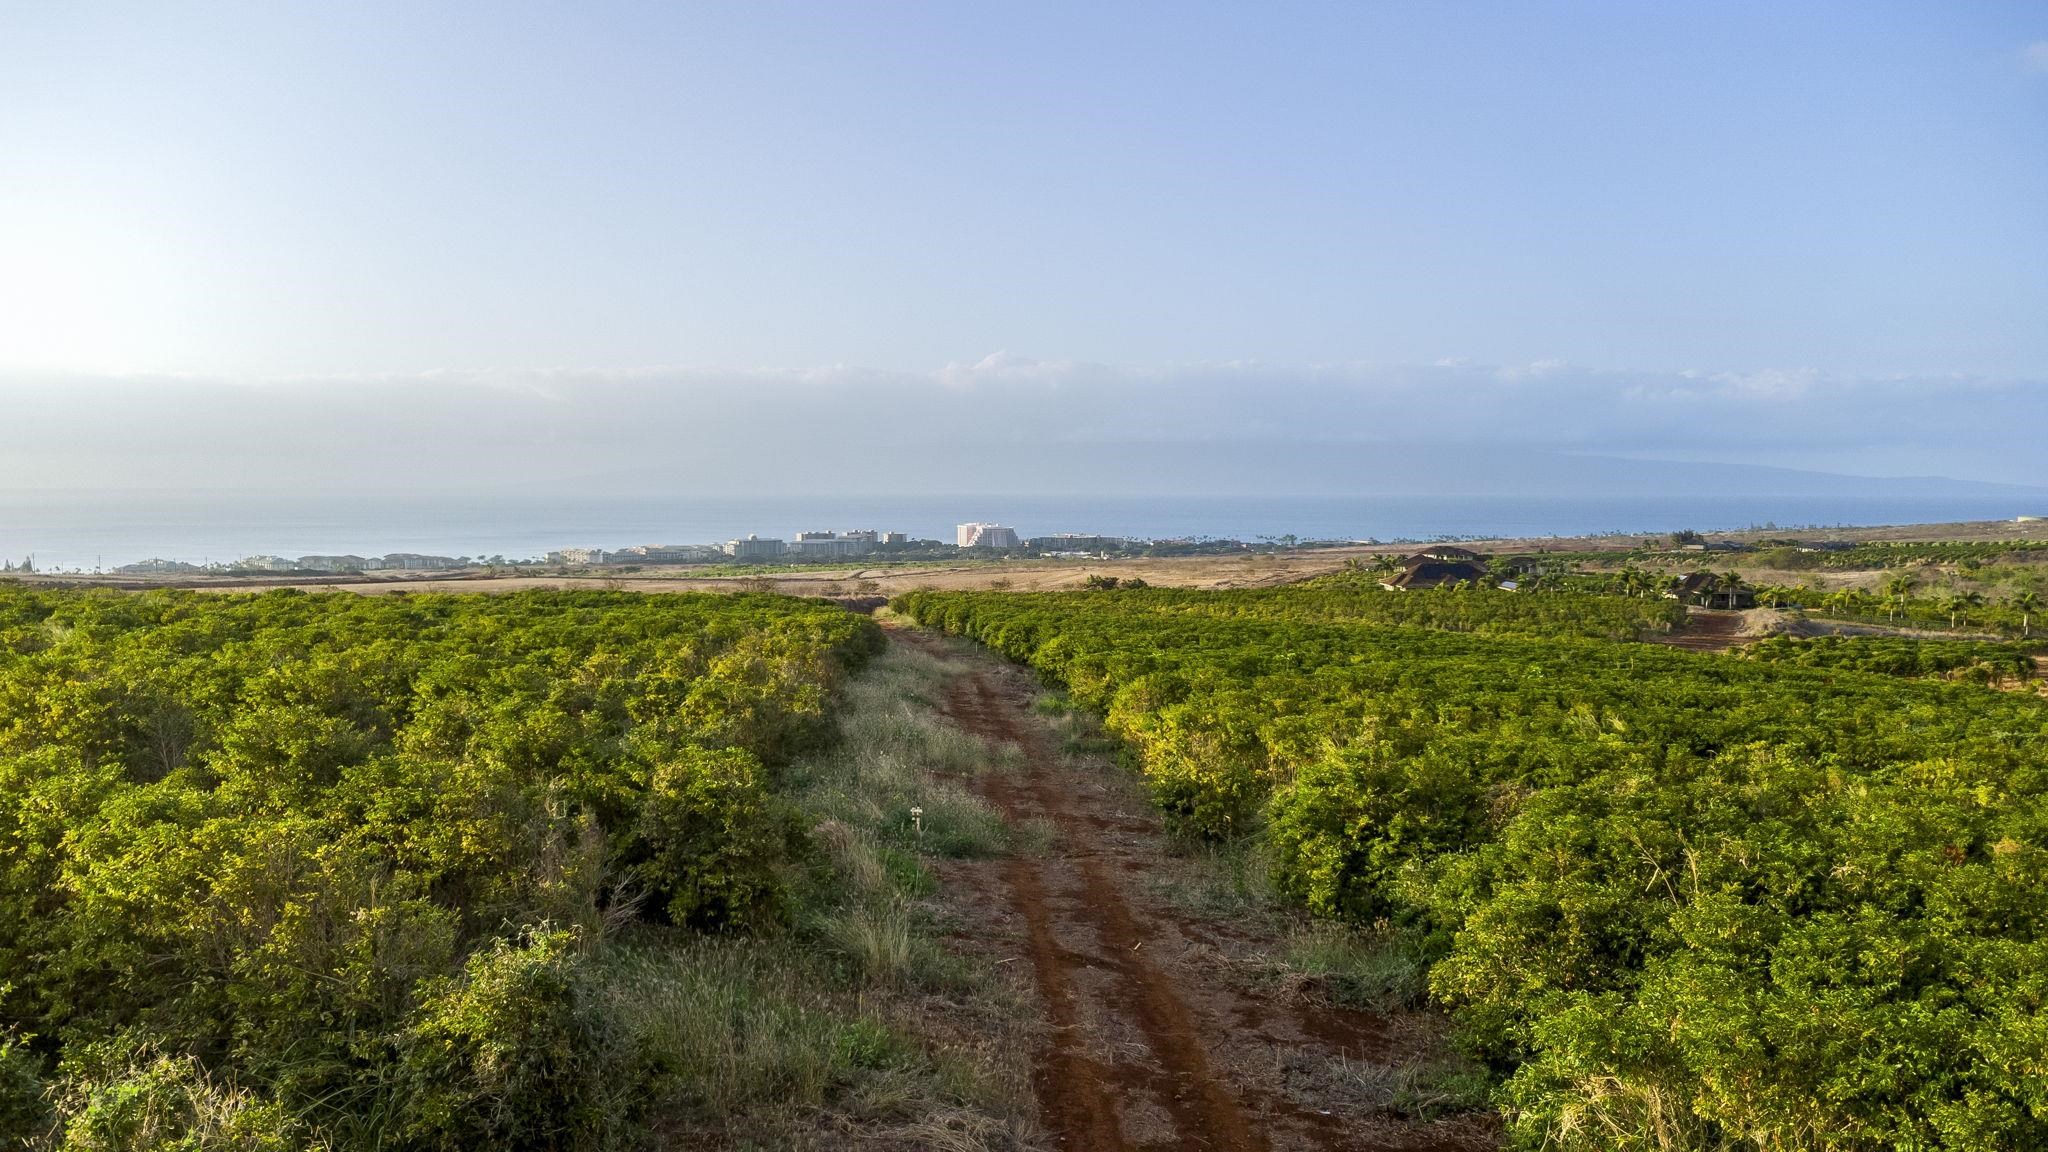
1372,971
847,1029
1080,733
900,769
1225,882
732,1026
1421,1090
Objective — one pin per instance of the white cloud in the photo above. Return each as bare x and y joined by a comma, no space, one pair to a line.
2035,56
1533,370
998,367
1772,383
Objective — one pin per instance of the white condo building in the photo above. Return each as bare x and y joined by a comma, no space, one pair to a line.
755,548
979,535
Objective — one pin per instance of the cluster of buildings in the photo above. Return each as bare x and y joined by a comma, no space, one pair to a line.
980,535
812,545
974,534
1075,544
819,545
835,546
390,561
409,561
638,554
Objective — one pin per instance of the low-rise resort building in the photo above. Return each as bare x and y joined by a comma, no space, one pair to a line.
1437,568
1706,590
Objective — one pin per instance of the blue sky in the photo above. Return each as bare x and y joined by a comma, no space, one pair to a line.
1842,193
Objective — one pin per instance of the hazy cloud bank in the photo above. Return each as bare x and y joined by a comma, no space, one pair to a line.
1008,423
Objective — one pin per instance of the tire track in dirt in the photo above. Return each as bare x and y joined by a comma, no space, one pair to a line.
1071,1087
1203,1110
1150,1044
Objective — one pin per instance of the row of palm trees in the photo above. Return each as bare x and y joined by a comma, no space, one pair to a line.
1896,598
1635,581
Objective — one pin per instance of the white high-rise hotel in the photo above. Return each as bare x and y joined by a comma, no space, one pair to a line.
979,535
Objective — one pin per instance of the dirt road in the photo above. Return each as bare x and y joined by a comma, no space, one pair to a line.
1158,1033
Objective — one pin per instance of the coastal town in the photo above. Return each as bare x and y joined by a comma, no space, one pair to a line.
971,538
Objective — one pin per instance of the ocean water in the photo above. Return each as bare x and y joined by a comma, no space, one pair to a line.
86,530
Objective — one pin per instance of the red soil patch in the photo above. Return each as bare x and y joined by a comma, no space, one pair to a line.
1706,630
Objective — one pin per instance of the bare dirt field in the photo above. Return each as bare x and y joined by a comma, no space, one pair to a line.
1706,630
1153,1037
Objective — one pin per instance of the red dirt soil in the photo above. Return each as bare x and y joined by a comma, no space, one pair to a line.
1152,1037
1706,630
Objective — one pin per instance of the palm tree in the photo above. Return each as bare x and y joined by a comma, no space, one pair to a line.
1731,583
2028,603
1896,589
1961,602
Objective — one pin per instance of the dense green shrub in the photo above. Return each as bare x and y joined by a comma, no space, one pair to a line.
23,1109
264,859
512,1054
136,1099
1978,660
1359,598
711,842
